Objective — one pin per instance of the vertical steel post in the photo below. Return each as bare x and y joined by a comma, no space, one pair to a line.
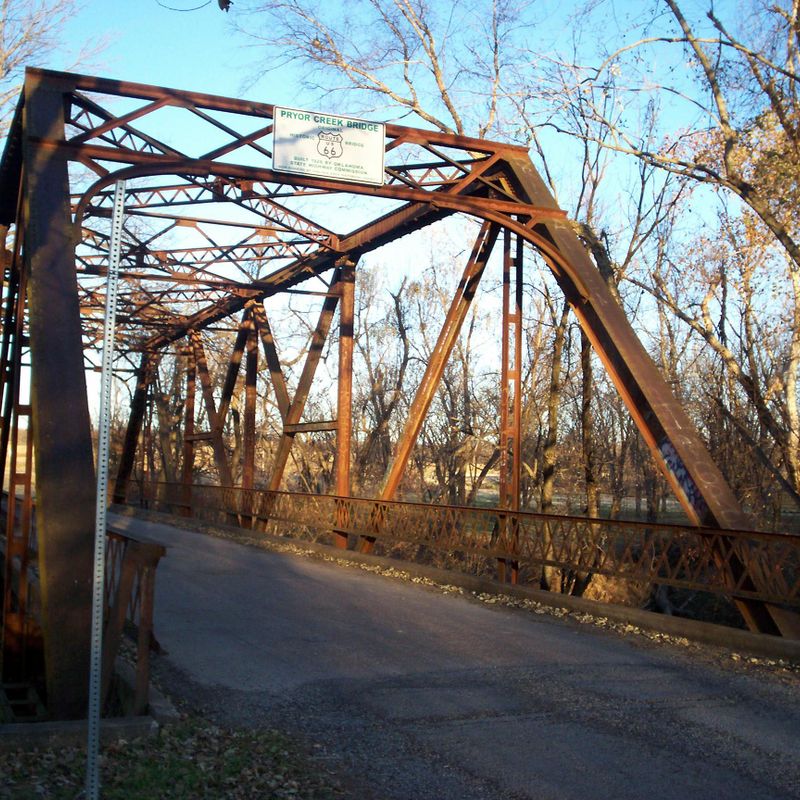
516,444
65,485
249,454
12,274
344,412
517,461
128,456
103,431
19,515
187,464
510,390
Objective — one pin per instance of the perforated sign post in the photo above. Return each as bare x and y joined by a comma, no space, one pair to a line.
92,791
328,146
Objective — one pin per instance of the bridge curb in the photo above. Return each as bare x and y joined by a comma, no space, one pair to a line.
733,639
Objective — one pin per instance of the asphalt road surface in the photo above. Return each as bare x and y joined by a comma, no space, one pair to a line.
410,694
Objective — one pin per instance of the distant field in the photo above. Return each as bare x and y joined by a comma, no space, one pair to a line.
21,455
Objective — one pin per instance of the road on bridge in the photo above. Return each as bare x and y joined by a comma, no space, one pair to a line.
413,694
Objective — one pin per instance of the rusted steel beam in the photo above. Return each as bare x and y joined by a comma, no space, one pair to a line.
656,411
15,626
246,194
344,396
232,372
296,273
510,387
70,82
217,444
187,462
158,164
251,374
273,361
144,376
297,407
195,260
436,205
65,486
371,236
673,440
312,427
13,312
448,335
516,462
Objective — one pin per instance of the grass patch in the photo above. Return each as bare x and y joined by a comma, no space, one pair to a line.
191,760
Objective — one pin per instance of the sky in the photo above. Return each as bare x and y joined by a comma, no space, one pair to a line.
195,50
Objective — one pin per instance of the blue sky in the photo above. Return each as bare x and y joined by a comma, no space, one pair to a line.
186,50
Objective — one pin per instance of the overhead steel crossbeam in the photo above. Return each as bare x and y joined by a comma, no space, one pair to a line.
259,199
102,138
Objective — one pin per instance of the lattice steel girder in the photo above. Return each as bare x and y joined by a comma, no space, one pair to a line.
65,489
669,433
257,198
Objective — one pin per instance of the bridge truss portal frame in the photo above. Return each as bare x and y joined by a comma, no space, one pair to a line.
74,136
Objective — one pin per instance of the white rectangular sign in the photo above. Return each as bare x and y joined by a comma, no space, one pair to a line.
328,146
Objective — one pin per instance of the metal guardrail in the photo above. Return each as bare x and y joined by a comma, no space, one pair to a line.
739,564
129,589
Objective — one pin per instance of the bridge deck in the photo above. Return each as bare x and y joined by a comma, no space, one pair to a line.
415,693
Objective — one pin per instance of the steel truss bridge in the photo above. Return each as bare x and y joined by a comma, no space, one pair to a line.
211,232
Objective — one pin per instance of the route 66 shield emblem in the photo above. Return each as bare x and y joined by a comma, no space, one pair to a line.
329,144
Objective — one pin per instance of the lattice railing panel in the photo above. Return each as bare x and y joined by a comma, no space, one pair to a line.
744,564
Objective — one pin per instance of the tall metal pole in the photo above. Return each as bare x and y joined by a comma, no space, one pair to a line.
187,468
344,401
98,578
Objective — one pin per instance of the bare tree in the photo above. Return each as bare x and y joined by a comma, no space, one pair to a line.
382,342
31,31
745,86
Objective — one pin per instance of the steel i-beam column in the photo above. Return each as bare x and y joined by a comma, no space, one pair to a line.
344,418
65,485
132,432
187,463
249,454
510,390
